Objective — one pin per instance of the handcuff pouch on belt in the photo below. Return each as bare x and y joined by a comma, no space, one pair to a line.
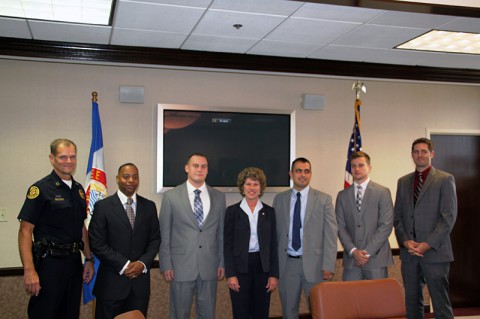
42,249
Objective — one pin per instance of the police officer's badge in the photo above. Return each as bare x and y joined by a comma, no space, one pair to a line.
33,192
82,194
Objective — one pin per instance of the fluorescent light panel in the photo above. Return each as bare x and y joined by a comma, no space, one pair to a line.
445,41
77,11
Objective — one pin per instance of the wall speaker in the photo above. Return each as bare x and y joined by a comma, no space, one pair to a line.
313,102
132,94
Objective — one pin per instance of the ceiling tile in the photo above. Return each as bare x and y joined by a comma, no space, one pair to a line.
411,20
381,37
142,38
14,28
310,31
285,49
187,3
336,13
68,32
221,23
157,17
218,44
462,25
269,7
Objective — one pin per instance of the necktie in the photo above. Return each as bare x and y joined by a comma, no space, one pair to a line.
130,213
359,198
297,224
198,208
418,189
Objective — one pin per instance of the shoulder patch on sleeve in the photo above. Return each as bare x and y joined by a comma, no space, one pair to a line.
33,192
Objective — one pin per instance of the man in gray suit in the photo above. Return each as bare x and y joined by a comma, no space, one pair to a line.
307,238
365,220
191,251
425,212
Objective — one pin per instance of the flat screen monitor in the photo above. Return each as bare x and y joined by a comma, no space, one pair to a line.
230,139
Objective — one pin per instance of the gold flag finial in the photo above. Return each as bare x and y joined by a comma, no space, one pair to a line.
359,87
94,96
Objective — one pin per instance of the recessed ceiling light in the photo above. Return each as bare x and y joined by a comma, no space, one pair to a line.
77,11
445,41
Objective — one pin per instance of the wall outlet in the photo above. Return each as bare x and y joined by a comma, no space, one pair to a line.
3,214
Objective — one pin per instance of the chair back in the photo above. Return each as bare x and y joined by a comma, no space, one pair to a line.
134,314
364,299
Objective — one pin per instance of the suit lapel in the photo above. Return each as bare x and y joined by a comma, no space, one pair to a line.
212,203
286,203
186,203
366,198
427,183
309,206
119,210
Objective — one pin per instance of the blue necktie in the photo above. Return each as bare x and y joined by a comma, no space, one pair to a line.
297,224
198,207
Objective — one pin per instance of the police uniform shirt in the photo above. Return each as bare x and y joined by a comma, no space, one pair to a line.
56,210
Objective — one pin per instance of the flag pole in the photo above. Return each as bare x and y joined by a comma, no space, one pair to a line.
355,141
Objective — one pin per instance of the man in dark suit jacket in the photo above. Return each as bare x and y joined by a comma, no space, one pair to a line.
125,245
314,261
425,212
365,220
191,253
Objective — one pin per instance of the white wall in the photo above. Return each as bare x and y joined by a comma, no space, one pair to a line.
41,101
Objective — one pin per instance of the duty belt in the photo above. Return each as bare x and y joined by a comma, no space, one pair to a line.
61,249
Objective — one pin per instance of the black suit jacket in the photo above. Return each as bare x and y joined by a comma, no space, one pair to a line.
237,237
113,242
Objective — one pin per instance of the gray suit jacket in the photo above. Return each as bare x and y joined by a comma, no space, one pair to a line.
185,248
434,214
319,242
369,229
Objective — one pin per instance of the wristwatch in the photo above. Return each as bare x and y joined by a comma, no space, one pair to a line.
92,260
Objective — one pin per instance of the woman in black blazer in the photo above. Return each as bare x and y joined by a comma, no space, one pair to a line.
250,248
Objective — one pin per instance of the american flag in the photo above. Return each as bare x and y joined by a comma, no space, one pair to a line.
355,143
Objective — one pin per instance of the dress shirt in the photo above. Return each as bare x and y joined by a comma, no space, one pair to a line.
424,177
355,191
293,199
253,220
123,200
203,196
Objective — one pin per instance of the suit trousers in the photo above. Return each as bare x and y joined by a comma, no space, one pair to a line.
290,287
108,309
415,274
252,301
361,273
181,297
61,281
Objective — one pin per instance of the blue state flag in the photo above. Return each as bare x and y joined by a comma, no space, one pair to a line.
96,184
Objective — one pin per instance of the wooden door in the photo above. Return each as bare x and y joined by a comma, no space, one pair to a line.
460,156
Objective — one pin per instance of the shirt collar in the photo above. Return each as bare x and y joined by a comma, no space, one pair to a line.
191,188
303,192
123,197
424,173
364,184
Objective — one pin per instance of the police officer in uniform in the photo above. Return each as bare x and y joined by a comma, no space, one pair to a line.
53,217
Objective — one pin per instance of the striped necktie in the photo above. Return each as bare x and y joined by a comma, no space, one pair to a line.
359,198
198,207
418,189
130,213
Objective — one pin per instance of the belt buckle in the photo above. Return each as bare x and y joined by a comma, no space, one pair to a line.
74,248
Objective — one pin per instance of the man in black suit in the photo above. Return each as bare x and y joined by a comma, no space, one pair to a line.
125,236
